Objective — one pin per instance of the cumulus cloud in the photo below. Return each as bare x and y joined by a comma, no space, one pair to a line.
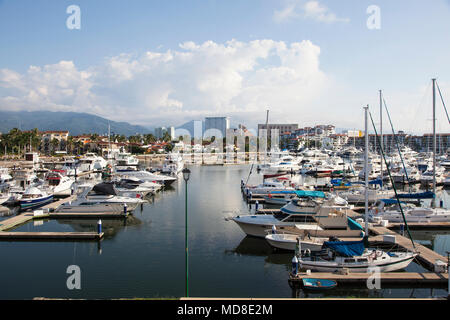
155,88
295,9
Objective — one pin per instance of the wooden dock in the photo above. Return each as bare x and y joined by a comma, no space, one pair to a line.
48,212
50,236
398,279
56,204
16,221
426,257
3,210
85,215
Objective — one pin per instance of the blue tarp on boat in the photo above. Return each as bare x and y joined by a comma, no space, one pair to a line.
339,182
376,181
390,201
353,225
301,193
420,195
315,194
346,248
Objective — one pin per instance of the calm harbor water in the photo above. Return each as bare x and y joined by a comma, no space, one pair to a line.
144,255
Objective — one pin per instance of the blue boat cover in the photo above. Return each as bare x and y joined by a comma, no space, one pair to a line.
339,182
376,181
346,248
301,193
420,195
353,224
390,201
316,194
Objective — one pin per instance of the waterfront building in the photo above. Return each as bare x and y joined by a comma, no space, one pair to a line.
222,124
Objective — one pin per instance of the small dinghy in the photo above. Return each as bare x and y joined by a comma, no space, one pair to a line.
318,284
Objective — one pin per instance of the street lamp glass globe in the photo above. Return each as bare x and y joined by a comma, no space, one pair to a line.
186,174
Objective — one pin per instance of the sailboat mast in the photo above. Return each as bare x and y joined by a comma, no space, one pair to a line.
109,141
366,173
433,202
381,136
267,136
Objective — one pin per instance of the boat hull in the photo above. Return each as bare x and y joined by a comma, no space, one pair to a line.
397,264
35,203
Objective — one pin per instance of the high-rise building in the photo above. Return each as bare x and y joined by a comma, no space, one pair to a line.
222,124
171,131
159,132
282,128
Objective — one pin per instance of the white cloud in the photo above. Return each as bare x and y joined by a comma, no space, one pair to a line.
156,88
295,9
237,79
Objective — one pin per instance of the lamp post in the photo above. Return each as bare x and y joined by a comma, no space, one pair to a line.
186,175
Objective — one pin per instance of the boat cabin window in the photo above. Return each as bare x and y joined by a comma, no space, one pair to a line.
361,260
349,260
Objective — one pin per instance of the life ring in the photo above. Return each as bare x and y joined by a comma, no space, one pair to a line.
379,253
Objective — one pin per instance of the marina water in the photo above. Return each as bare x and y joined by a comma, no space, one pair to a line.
143,257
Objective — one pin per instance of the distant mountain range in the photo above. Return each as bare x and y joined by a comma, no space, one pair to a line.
76,123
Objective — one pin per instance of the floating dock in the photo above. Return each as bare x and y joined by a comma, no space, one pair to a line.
426,257
398,279
48,212
51,235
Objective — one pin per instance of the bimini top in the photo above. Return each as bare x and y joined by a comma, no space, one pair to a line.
105,188
391,201
420,195
301,193
346,248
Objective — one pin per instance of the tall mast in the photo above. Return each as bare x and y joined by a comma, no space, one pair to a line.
366,174
109,141
433,203
267,136
381,136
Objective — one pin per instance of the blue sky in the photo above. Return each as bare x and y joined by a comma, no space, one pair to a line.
340,68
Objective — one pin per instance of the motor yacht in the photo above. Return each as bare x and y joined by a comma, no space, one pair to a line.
388,209
34,198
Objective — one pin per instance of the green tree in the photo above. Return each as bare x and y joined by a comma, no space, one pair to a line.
166,137
55,143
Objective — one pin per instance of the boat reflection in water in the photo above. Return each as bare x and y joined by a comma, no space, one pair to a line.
252,246
110,227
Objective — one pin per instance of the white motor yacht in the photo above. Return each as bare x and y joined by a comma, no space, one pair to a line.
33,198
148,176
388,209
269,186
173,164
288,241
92,162
58,184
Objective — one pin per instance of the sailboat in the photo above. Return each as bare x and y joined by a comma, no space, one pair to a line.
356,256
391,211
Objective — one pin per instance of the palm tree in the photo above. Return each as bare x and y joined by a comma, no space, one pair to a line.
55,143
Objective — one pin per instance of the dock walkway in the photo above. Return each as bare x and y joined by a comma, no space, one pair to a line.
406,279
426,257
49,212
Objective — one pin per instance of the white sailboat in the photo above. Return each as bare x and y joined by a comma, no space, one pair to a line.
355,256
